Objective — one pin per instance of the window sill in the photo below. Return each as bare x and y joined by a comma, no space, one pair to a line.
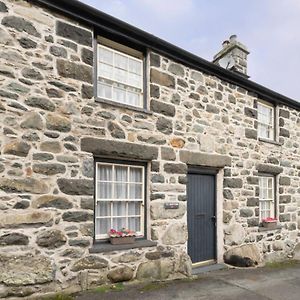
269,141
126,106
263,229
100,247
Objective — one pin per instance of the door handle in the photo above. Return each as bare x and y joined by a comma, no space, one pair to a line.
213,218
200,215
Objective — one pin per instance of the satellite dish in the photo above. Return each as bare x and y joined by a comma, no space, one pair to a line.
227,62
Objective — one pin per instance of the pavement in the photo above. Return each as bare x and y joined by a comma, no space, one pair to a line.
275,282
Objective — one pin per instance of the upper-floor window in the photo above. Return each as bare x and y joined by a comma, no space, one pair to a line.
119,74
266,197
265,121
119,198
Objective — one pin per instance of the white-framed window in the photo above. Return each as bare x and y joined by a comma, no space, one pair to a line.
119,198
265,118
266,197
120,75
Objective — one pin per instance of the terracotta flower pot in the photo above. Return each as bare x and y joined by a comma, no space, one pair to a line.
122,240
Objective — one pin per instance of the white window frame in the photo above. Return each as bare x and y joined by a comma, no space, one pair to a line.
115,84
270,125
264,196
140,233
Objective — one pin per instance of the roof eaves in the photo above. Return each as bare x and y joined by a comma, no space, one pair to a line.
101,20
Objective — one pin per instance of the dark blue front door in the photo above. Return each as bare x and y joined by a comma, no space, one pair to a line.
201,216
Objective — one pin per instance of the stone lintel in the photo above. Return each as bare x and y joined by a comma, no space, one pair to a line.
269,169
118,149
205,159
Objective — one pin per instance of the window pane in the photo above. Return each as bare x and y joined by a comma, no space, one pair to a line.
133,98
120,191
104,90
105,173
104,190
135,191
271,133
120,61
270,194
120,75
119,95
121,174
105,55
134,224
134,208
103,209
119,223
102,226
270,182
135,66
136,175
134,80
105,71
119,209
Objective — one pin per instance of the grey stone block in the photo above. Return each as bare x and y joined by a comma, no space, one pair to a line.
204,159
104,147
269,169
74,33
233,183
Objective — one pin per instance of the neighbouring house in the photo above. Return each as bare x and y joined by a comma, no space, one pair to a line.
106,126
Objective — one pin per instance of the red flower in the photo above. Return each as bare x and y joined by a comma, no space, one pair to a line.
269,220
121,232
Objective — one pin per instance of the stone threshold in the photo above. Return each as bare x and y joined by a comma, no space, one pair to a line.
209,268
263,229
125,106
101,247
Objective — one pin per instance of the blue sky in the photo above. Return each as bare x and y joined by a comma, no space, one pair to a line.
269,28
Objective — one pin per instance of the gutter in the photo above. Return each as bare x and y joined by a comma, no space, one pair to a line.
114,26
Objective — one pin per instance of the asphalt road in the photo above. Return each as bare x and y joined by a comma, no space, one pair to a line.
269,283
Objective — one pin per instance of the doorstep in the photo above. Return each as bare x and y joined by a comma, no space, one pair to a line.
208,268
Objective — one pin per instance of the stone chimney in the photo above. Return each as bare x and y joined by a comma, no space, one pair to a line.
233,56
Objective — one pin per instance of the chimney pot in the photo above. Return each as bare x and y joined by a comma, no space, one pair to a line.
233,38
225,44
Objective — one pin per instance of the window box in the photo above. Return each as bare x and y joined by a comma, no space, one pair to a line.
121,237
122,240
269,223
106,246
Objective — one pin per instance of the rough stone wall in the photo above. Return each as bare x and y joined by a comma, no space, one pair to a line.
216,117
50,126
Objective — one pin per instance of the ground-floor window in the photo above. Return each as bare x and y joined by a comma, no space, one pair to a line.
266,197
119,198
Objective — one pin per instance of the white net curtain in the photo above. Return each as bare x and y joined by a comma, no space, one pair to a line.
119,198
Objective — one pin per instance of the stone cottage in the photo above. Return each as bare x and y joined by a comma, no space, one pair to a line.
105,126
